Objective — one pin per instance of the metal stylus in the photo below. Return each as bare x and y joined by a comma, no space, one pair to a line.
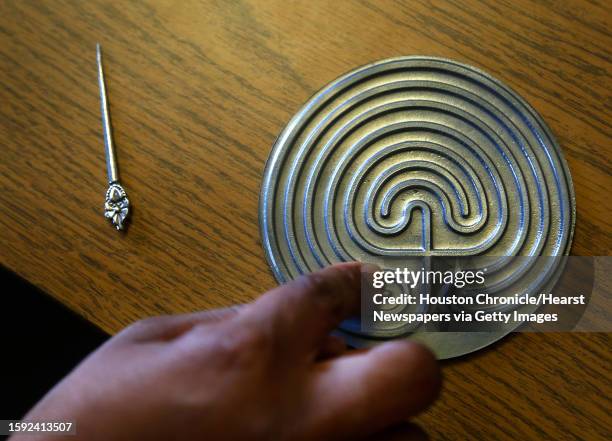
116,205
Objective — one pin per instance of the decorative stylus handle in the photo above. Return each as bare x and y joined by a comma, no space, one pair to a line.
116,205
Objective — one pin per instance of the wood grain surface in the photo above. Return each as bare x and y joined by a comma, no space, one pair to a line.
200,90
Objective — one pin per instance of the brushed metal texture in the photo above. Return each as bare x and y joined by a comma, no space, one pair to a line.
416,156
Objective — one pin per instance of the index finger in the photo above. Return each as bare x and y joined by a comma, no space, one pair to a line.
303,312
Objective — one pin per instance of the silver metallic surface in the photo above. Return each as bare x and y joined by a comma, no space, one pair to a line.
116,206
417,156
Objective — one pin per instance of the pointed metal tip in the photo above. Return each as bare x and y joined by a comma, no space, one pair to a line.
98,52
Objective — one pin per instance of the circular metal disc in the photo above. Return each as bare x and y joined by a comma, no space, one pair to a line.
415,156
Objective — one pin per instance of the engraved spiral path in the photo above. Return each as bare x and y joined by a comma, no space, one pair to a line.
415,156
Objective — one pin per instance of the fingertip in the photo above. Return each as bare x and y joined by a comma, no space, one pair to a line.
351,270
369,390
370,268
305,310
336,289
416,354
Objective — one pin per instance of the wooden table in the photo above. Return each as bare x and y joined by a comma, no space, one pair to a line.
200,90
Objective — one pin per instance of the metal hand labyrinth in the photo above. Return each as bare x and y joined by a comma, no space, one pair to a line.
415,156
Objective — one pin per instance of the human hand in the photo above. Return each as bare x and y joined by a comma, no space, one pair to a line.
266,370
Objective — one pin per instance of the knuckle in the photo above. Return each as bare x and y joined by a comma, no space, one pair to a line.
143,324
241,346
142,327
151,321
249,339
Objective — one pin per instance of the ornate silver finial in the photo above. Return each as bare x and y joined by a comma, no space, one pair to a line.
116,205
